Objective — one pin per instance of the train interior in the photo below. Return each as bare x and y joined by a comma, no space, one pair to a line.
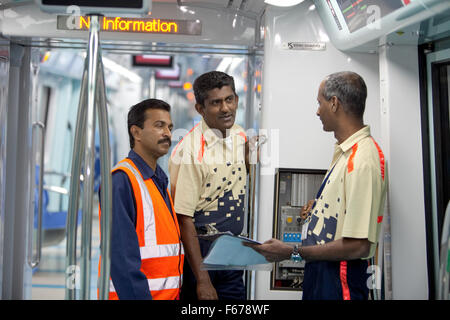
278,55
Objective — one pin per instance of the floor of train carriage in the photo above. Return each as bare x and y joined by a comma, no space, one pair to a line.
48,281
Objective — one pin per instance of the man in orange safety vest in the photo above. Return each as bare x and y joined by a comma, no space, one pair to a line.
146,251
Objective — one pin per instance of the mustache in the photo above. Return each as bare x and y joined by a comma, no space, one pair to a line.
165,140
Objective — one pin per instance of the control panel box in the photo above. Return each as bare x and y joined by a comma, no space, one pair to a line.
293,189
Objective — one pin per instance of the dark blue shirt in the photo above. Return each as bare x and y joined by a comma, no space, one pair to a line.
128,280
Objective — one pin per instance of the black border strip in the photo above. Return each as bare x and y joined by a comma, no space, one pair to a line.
440,116
422,52
135,4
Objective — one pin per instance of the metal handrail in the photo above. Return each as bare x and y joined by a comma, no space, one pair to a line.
251,204
93,96
71,228
105,191
252,181
33,262
89,157
56,189
57,173
444,274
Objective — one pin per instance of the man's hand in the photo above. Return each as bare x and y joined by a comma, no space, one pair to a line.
306,209
206,291
273,250
342,249
252,149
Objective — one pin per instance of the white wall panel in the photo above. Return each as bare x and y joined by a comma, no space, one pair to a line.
402,137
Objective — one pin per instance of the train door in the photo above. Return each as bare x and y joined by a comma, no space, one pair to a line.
435,121
55,94
4,69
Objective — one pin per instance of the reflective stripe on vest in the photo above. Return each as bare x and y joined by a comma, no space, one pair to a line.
160,246
156,284
147,205
162,250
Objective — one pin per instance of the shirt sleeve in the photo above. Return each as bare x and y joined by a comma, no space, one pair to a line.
128,280
186,184
363,188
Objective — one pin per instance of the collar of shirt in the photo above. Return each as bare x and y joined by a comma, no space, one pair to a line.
354,138
340,149
211,138
147,173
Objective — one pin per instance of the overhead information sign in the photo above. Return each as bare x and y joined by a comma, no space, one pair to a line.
135,25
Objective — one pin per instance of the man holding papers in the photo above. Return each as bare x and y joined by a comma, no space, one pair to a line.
344,221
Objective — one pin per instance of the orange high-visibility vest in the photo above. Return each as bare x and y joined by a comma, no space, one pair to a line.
162,253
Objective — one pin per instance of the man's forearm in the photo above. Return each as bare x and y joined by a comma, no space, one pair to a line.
342,249
275,250
192,247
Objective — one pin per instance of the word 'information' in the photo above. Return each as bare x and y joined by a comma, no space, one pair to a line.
135,25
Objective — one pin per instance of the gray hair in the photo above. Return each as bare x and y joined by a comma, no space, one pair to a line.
350,88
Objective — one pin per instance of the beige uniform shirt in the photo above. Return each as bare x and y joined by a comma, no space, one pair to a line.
208,177
352,202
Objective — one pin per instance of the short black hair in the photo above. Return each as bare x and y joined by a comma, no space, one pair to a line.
350,88
136,115
209,81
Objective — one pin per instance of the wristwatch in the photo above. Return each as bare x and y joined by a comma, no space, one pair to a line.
295,255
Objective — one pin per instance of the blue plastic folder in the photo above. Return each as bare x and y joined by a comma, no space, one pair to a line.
228,253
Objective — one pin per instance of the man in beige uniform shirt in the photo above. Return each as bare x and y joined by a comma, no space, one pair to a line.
343,222
208,176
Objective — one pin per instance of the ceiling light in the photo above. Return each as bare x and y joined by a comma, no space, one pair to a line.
283,3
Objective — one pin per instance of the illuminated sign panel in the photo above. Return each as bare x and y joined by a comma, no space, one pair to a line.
152,60
136,25
168,74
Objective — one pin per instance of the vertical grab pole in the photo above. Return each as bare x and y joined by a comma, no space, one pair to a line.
249,121
106,189
33,262
253,170
444,267
84,136
89,157
72,211
251,226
